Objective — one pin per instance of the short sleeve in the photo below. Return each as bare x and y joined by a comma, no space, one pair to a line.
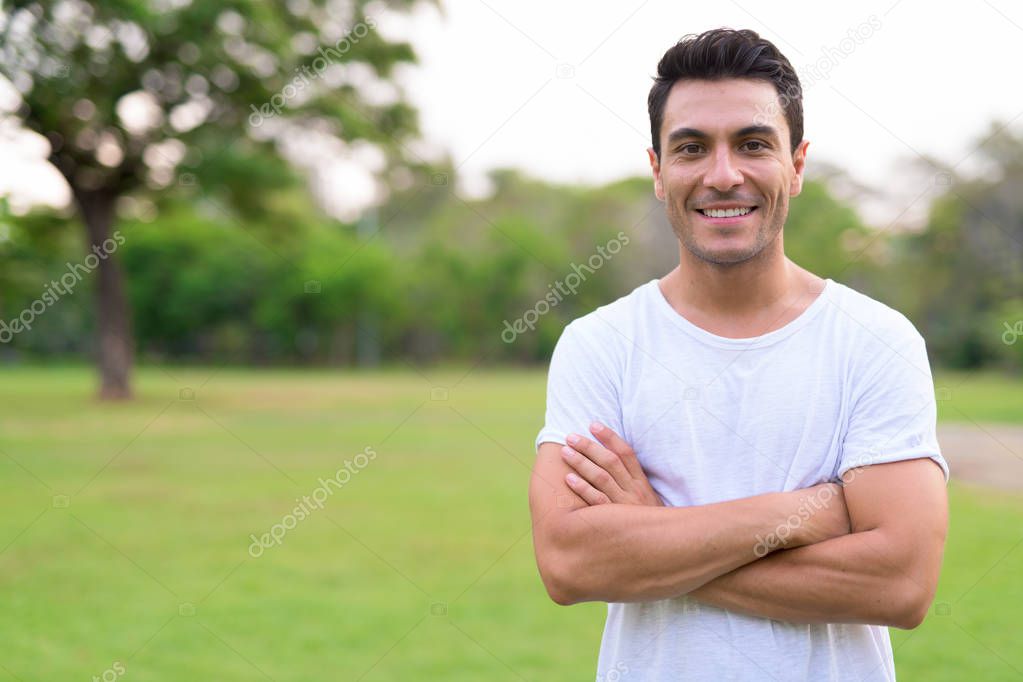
583,385
894,415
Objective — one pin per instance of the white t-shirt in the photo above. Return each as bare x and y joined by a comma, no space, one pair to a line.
845,384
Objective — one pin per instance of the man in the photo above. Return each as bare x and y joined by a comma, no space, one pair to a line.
739,457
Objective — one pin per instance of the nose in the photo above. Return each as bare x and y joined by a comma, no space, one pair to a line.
723,174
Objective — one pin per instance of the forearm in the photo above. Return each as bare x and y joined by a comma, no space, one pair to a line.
624,553
857,578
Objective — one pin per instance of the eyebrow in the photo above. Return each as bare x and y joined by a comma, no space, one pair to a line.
695,133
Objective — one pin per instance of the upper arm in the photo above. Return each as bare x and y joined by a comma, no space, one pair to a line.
895,476
582,387
550,502
905,506
893,416
583,384
550,498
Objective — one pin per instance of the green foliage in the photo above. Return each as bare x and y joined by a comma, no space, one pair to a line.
434,277
965,270
826,236
194,101
1005,341
206,288
191,279
214,73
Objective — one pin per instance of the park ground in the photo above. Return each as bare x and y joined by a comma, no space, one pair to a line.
126,530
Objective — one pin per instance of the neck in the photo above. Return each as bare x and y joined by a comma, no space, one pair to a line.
732,290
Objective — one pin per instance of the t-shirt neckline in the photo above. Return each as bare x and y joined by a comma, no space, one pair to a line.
662,304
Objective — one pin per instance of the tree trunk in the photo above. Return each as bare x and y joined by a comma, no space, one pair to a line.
114,348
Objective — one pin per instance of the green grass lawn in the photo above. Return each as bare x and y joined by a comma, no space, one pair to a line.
979,397
124,534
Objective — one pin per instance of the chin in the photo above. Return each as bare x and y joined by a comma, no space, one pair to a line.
724,256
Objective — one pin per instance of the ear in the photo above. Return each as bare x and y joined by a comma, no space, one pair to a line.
799,163
655,166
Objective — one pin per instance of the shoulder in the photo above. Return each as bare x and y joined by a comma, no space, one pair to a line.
883,343
871,319
612,322
604,335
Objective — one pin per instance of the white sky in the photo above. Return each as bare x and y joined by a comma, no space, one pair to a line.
930,77
559,89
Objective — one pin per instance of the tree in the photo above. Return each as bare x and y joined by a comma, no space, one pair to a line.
139,97
965,270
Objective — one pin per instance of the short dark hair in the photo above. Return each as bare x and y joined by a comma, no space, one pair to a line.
726,53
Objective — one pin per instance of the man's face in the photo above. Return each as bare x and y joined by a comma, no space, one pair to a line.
720,151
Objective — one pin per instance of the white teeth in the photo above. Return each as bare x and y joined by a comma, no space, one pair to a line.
726,212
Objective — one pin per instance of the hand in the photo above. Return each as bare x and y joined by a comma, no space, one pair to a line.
607,470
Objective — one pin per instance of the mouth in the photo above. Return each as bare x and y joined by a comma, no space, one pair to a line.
726,216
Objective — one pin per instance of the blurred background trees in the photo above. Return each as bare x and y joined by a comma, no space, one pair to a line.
140,98
182,127
964,271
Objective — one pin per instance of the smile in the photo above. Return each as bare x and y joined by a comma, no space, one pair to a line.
727,212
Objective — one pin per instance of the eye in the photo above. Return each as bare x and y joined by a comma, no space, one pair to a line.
760,146
691,148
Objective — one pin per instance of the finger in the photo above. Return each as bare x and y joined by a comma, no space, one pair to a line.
602,457
616,444
590,495
596,476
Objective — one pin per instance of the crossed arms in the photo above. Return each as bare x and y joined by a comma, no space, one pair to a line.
866,552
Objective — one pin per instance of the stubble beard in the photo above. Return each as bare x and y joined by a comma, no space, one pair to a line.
682,225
